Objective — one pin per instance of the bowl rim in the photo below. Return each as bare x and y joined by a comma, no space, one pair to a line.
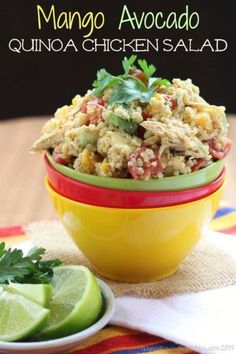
93,188
73,338
130,180
129,210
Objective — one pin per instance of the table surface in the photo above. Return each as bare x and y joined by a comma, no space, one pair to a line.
23,197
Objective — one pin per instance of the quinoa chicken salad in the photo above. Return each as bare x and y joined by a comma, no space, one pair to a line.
136,125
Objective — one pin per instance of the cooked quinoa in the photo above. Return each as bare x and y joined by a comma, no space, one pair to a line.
137,126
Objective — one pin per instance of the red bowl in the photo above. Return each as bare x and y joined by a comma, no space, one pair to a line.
89,194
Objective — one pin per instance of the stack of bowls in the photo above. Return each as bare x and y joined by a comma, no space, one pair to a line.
132,230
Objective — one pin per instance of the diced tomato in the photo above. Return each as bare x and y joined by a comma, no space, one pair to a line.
96,102
171,101
59,159
139,74
143,163
216,153
141,131
145,115
199,164
84,107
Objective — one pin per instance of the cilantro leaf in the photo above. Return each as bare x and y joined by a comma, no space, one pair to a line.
104,80
158,81
127,63
15,267
128,126
148,70
2,249
126,87
43,271
101,75
130,90
36,253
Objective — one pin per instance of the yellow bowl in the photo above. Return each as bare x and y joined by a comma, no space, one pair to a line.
136,245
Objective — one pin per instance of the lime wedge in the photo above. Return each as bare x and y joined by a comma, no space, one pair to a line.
39,293
20,317
76,301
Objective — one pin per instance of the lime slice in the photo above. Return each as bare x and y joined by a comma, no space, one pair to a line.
39,293
76,301
20,317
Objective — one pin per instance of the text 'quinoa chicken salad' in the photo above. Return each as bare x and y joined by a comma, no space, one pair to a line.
137,126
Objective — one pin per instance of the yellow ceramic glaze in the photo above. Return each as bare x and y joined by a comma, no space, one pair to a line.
136,245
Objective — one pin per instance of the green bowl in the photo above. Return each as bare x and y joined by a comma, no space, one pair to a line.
191,180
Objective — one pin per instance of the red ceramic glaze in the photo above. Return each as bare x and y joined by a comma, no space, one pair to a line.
89,194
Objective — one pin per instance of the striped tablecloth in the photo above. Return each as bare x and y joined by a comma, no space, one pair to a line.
118,340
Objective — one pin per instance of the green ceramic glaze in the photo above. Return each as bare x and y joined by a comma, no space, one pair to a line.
191,180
